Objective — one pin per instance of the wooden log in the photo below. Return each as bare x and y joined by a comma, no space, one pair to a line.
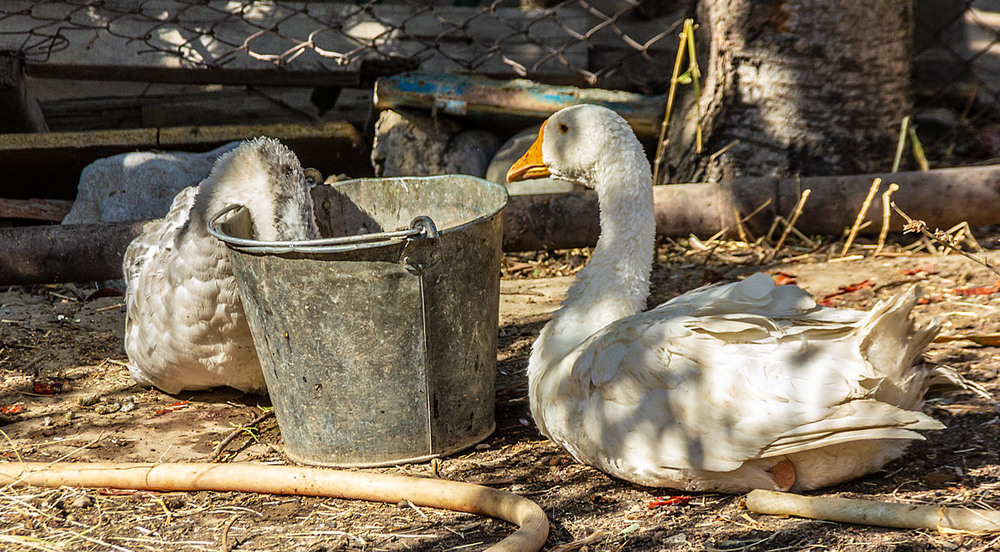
49,210
65,253
284,44
55,159
941,198
19,111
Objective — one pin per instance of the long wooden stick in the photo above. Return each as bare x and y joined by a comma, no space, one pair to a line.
869,512
294,480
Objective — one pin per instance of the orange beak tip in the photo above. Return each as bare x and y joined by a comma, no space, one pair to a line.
530,165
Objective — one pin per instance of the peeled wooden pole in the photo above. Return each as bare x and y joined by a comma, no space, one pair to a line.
294,480
942,198
870,512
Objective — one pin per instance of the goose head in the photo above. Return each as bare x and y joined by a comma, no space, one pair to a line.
595,147
588,145
266,178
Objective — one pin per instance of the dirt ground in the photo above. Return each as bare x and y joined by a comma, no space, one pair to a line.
58,338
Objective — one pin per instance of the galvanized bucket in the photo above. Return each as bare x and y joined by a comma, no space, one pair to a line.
378,343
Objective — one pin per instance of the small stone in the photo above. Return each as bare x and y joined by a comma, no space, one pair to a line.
411,143
108,407
482,446
82,501
128,404
138,185
89,400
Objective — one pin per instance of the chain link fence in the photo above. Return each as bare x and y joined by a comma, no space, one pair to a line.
621,44
618,44
956,78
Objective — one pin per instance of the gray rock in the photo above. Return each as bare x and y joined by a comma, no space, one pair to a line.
408,143
138,185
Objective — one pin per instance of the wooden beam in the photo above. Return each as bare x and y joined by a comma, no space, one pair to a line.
228,106
482,98
19,111
27,161
286,43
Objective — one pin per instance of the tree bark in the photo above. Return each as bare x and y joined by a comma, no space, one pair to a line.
803,88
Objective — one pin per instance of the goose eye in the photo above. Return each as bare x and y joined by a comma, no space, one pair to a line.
563,128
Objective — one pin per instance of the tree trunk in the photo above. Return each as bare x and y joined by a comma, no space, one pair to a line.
802,87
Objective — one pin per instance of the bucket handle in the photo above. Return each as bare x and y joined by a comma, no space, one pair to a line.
423,251
419,228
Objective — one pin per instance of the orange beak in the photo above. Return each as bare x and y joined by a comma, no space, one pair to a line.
530,165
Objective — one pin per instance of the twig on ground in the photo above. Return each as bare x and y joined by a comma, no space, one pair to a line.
235,433
224,543
886,215
901,143
13,447
596,536
861,215
916,225
791,223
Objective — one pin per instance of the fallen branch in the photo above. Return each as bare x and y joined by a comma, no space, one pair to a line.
294,480
870,512
916,225
790,224
236,432
596,536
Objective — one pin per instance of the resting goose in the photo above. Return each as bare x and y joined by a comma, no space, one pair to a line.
185,328
726,388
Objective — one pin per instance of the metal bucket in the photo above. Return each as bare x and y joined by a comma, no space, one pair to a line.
379,345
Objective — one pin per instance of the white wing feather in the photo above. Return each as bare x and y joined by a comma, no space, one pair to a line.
728,374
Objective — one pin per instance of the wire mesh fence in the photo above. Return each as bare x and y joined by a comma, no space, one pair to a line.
592,42
957,51
619,44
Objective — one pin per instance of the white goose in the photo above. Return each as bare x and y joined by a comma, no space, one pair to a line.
185,328
726,388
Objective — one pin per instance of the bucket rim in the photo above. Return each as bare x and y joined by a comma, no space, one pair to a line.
504,194
421,226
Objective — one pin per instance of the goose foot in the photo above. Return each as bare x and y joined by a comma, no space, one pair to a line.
783,474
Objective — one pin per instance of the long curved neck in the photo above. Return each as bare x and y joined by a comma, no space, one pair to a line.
615,283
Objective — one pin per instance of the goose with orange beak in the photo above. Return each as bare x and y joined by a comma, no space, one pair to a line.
725,388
